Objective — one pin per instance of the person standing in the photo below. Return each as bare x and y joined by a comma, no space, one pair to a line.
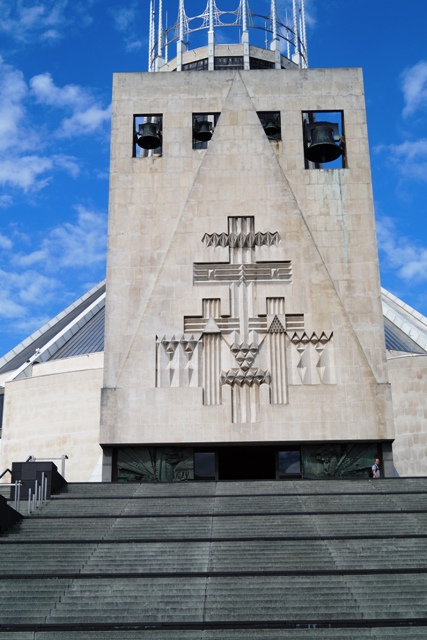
376,473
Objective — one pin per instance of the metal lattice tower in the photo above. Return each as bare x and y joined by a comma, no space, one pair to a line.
281,35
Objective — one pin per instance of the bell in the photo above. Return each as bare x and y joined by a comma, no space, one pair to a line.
148,136
203,131
271,128
322,147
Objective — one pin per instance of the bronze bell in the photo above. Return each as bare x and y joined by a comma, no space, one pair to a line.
148,136
271,128
203,131
322,147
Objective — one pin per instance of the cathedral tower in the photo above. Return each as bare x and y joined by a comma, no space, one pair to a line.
244,329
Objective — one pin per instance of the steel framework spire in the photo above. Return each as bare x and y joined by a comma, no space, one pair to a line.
282,37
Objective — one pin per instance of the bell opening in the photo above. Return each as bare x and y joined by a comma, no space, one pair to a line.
147,135
324,140
270,121
203,129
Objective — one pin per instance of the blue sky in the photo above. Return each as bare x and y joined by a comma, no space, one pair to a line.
57,59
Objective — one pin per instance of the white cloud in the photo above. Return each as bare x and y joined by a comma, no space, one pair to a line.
5,201
133,45
9,308
78,245
26,163
414,87
409,158
407,258
82,244
36,288
32,172
5,242
84,122
87,115
46,92
26,326
13,91
127,21
29,260
25,172
125,18
35,282
67,163
26,20
21,291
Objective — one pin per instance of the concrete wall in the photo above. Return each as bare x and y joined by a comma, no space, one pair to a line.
160,210
408,377
56,412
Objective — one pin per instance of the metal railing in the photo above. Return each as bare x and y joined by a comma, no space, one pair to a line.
17,486
36,497
4,473
39,496
63,458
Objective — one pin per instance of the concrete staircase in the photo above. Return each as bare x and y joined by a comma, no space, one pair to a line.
220,561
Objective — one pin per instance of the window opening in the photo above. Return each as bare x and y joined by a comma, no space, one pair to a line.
203,128
147,139
154,464
289,462
228,62
340,460
197,65
324,141
259,63
204,465
270,121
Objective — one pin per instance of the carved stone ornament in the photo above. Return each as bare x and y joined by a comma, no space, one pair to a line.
244,351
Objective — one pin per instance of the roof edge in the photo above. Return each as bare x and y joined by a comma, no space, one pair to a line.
48,325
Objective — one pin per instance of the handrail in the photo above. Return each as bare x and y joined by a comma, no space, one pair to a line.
39,496
17,484
4,473
64,457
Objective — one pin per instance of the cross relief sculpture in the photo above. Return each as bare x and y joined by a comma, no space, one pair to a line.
244,350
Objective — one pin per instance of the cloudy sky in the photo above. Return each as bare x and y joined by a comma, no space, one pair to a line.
56,62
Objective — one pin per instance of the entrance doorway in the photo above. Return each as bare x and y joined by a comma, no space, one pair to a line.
246,463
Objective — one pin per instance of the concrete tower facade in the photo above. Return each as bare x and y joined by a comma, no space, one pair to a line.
244,328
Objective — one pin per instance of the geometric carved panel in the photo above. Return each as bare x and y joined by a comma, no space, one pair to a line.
228,273
244,350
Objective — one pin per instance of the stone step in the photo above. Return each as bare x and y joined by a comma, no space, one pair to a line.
295,487
215,556
233,504
191,599
267,597
15,620
221,527
386,633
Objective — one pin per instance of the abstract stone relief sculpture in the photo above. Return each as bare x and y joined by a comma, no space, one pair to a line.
178,362
310,358
244,350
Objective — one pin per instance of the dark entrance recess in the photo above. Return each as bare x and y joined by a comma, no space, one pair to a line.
327,460
246,463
